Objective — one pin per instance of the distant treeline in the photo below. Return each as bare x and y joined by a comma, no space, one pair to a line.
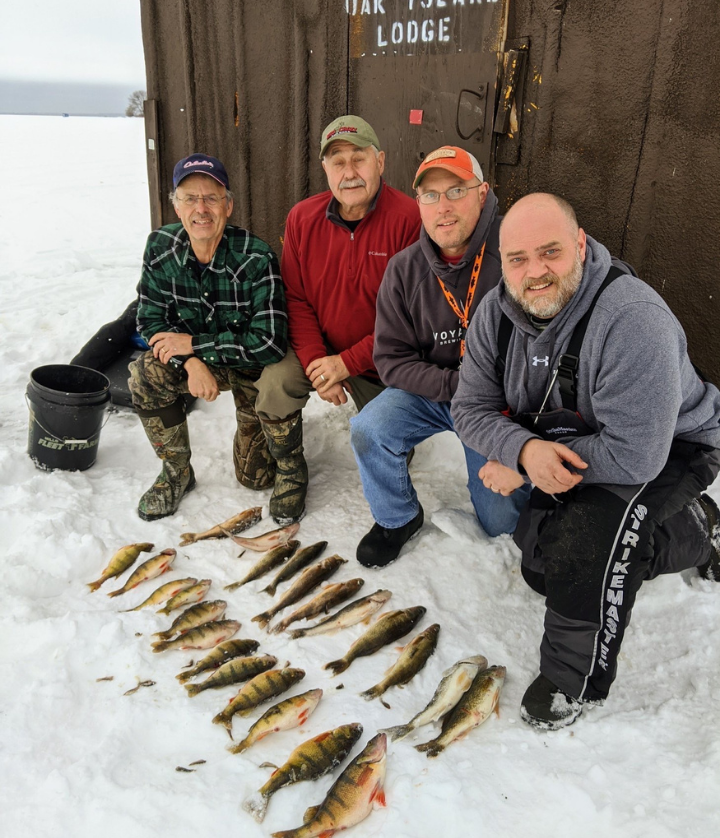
37,97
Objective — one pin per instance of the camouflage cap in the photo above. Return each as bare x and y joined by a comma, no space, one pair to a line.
350,128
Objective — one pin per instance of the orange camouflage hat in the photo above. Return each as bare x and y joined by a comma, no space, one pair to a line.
454,159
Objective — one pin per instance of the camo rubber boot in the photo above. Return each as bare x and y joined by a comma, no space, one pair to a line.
285,442
172,445
254,467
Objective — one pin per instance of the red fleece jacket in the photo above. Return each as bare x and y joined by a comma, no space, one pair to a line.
332,276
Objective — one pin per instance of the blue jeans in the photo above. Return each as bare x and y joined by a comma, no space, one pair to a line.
382,434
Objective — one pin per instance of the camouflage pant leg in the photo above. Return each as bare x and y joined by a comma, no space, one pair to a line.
254,467
155,385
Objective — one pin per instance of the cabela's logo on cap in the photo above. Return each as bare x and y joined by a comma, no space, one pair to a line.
191,163
439,153
344,129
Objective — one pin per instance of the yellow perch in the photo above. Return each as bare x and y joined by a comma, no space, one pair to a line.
203,637
164,593
121,561
195,593
150,569
285,715
233,526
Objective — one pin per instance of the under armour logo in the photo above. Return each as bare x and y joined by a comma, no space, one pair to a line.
545,360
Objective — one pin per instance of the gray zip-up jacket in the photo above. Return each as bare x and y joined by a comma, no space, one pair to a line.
636,389
417,334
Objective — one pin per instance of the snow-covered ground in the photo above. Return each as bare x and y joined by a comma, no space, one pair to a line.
79,759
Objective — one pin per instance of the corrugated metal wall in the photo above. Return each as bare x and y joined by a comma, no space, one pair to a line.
619,114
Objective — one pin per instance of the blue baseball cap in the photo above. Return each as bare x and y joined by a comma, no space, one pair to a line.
200,164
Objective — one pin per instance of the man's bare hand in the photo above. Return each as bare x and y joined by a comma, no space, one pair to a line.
166,344
201,382
326,372
499,478
335,394
544,463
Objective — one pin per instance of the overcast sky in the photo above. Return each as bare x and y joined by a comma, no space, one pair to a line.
89,41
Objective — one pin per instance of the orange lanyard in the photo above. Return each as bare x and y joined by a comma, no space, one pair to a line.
464,316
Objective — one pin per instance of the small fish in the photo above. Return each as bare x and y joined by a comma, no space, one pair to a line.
390,627
472,710
262,688
234,526
350,615
121,561
312,759
196,615
285,715
412,659
140,684
233,672
202,637
164,593
220,654
195,593
268,562
329,597
455,682
148,570
353,796
262,543
309,579
299,561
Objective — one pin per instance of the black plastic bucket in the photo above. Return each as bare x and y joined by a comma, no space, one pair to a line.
66,405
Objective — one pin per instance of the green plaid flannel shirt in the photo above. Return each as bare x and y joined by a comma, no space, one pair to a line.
234,308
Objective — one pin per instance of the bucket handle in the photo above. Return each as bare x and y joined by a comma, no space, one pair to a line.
60,439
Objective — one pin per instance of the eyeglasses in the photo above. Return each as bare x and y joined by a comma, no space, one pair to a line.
453,194
193,200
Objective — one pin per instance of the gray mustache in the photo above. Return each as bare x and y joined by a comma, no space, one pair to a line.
352,184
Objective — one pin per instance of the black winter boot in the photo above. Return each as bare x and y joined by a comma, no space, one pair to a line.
546,707
172,445
381,546
711,570
285,443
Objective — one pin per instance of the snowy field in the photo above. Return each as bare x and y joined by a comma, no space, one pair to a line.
79,759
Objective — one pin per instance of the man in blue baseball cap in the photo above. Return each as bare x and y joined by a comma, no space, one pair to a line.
212,309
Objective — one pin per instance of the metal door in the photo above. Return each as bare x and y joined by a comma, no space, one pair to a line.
424,73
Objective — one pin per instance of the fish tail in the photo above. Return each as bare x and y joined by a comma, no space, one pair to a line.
337,666
184,676
432,748
232,586
256,805
269,590
263,618
279,627
163,635
187,538
373,692
164,610
95,585
295,633
222,719
160,646
397,732
117,593
193,689
240,747
128,610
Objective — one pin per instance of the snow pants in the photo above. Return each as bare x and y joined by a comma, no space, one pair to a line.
589,550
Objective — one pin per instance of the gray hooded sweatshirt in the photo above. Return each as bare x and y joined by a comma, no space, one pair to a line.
417,334
636,387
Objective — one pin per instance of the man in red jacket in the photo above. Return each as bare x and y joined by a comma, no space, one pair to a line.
336,248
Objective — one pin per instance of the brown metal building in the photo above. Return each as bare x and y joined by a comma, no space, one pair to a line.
612,105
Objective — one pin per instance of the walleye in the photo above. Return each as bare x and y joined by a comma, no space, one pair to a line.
220,654
310,760
261,689
148,570
390,627
472,710
299,561
285,715
329,597
350,615
233,526
309,579
268,562
412,659
201,637
234,672
267,540
455,681
164,593
120,562
352,797
196,615
195,593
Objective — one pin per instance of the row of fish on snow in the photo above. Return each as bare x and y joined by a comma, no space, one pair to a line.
466,696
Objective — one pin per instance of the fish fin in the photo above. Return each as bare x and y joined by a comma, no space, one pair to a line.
256,805
310,813
183,676
187,538
269,590
163,611
296,633
128,610
269,765
240,747
397,732
370,694
385,704
263,619
163,635
337,666
95,585
161,646
425,746
378,797
241,553
303,717
232,586
193,689
117,593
